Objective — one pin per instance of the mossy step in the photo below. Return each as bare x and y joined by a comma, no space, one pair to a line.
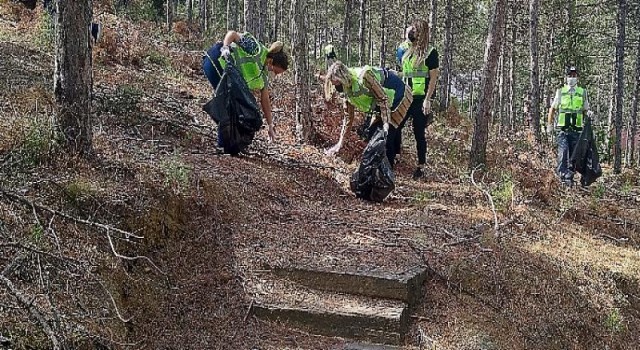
359,322
406,286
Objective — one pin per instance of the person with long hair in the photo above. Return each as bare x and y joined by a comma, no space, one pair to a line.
369,89
255,62
420,69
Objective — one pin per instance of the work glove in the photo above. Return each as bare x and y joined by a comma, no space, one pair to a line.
272,132
225,51
426,106
385,128
549,128
333,150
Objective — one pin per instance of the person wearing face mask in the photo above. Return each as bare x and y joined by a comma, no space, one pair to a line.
404,46
420,69
369,89
256,63
572,104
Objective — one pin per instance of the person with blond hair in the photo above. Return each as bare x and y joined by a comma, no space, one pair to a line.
254,61
420,69
370,89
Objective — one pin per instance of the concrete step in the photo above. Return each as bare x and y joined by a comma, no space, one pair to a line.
330,314
406,286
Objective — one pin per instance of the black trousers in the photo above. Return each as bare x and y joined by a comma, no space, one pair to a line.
420,123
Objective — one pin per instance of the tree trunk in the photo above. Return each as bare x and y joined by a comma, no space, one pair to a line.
304,123
446,62
251,14
204,23
361,34
72,81
276,20
433,21
485,101
634,109
170,14
345,29
534,79
190,11
383,39
617,153
512,77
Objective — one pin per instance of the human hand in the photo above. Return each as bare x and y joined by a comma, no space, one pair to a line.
426,106
385,128
272,132
590,114
225,51
333,150
549,128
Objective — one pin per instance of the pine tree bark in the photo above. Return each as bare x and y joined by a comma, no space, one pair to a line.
276,20
190,11
361,34
204,23
485,100
617,152
346,29
383,38
433,20
534,77
73,81
304,123
170,14
251,14
446,62
634,110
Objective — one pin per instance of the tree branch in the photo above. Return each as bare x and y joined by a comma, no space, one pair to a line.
493,207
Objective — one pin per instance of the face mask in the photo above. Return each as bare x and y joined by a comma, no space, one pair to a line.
339,88
412,36
572,81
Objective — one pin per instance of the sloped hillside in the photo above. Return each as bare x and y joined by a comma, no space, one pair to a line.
161,242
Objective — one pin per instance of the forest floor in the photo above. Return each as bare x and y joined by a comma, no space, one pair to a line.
546,268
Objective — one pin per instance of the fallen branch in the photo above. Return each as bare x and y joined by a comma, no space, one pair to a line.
465,240
493,207
39,317
124,257
25,201
113,301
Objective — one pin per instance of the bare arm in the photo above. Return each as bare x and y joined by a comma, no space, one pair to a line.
346,123
231,37
433,79
265,103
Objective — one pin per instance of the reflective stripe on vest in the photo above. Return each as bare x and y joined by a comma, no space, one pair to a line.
419,75
571,107
252,67
359,96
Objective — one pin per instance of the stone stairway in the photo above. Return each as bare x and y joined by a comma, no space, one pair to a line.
373,307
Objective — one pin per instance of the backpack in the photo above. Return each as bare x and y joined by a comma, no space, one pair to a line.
235,110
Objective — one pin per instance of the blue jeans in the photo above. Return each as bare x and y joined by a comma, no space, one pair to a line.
566,144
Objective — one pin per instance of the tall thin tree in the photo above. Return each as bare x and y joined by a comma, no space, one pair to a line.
73,81
622,17
485,100
534,78
304,123
446,61
634,109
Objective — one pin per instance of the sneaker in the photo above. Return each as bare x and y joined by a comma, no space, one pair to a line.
96,31
418,173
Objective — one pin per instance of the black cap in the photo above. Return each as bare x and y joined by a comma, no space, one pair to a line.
572,69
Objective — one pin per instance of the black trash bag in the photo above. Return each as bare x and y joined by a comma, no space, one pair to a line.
363,129
585,159
235,110
374,179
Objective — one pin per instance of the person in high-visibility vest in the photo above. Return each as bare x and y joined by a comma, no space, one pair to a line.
255,62
403,47
420,69
369,89
572,104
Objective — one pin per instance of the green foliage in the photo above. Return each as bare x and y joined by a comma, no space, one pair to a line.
75,191
142,10
177,174
124,102
503,192
614,320
36,233
39,142
599,191
158,58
